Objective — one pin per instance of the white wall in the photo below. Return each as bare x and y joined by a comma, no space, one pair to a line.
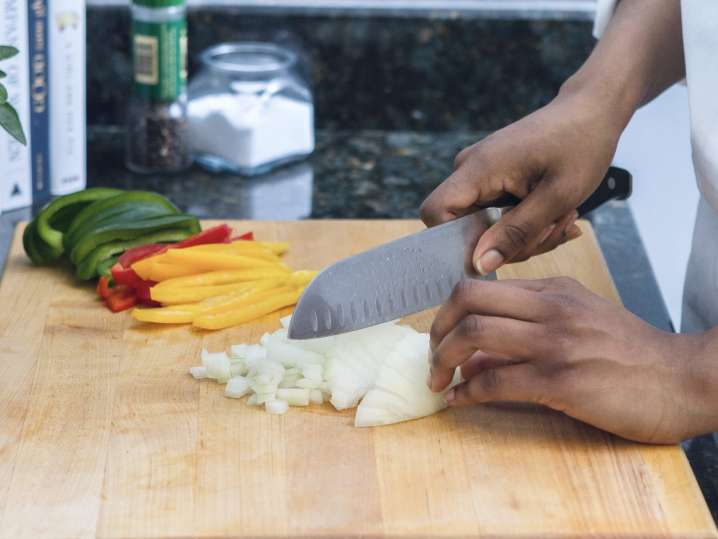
656,149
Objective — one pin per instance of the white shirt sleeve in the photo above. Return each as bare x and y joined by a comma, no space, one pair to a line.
604,12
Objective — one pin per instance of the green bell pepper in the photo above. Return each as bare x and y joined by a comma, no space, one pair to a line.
125,230
55,218
94,264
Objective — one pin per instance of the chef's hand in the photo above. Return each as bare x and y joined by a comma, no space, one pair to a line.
554,343
553,159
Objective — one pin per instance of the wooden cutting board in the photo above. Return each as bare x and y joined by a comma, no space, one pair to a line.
104,434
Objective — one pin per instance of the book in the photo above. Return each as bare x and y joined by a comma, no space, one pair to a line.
38,59
67,118
15,185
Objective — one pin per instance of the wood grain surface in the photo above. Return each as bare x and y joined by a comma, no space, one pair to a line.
104,434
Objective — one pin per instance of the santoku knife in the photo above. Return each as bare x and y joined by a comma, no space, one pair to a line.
410,274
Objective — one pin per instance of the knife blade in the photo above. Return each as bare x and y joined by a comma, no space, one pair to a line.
410,274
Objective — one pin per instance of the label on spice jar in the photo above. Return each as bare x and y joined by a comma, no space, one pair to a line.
160,58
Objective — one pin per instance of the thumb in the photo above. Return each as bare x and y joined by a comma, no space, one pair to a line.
521,229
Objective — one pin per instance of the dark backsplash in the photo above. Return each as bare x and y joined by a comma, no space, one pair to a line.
373,72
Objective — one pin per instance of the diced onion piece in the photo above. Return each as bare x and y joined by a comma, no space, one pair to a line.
313,372
288,355
268,388
264,397
217,365
316,396
237,387
198,373
290,381
306,383
276,406
238,368
295,397
252,400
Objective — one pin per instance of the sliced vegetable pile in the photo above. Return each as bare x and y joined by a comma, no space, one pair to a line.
382,369
147,253
93,227
215,286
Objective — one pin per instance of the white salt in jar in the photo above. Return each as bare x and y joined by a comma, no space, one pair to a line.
249,111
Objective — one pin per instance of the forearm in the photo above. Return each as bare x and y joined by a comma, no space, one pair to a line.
701,377
639,56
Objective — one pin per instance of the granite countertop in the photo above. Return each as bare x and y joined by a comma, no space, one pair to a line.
377,174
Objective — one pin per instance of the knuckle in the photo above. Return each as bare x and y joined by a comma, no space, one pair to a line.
471,326
463,291
517,235
489,381
427,211
434,335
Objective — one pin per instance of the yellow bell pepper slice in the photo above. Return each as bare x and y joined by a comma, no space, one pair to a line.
253,251
302,277
257,309
241,298
217,261
176,314
214,278
179,295
277,247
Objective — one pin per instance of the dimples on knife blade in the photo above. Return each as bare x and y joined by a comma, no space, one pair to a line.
390,281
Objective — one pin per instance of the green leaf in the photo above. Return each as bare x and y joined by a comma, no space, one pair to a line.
3,94
11,123
7,51
2,74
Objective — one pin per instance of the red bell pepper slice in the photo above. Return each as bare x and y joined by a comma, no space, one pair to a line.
125,276
130,256
248,236
103,287
216,234
121,299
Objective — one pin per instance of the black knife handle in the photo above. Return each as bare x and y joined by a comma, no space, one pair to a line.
617,184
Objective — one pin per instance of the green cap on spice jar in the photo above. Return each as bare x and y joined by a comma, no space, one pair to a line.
159,3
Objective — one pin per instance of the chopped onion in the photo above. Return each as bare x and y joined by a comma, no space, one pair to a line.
380,369
198,373
307,383
313,372
238,368
237,387
217,365
290,381
400,392
265,397
294,396
276,406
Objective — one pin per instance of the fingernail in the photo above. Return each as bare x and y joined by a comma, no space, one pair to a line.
489,261
428,380
547,233
450,397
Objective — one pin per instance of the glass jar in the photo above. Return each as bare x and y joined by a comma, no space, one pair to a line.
157,134
249,110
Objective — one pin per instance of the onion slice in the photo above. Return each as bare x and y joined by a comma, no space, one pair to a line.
400,392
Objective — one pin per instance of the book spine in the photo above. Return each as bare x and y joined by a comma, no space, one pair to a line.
67,100
15,173
38,60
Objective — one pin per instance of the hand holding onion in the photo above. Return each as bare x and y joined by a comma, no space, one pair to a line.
555,343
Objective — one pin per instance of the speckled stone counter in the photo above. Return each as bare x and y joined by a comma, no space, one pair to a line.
377,174
426,73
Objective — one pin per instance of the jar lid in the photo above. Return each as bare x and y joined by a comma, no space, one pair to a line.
159,3
249,57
